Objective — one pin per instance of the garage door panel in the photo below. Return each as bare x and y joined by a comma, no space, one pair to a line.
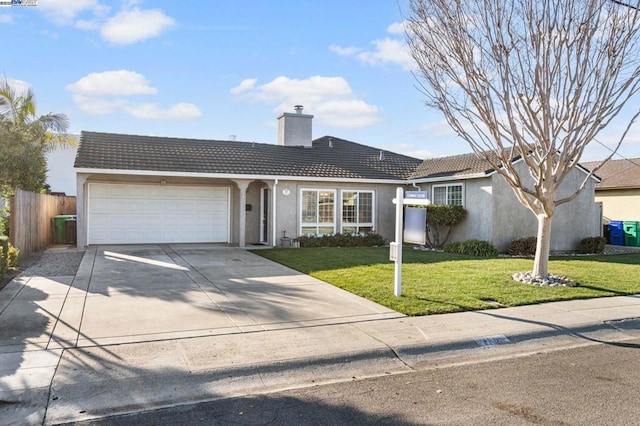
129,213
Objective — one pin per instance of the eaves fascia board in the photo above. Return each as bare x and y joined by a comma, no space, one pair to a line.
617,188
450,178
578,166
236,176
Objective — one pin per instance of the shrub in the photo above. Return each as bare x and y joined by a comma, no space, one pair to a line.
523,246
8,256
592,245
4,255
4,222
12,258
440,221
477,248
342,240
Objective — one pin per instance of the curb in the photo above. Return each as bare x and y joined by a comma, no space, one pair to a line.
98,399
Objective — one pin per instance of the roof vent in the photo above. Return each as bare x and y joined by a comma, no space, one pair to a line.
232,138
298,109
330,143
381,155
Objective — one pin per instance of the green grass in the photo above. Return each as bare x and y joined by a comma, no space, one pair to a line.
435,282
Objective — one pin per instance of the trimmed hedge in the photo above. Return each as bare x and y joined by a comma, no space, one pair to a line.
477,248
342,240
592,245
523,246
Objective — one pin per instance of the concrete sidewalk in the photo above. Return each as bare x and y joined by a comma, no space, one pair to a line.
54,381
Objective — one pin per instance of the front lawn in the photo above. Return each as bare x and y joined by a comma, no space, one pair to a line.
439,282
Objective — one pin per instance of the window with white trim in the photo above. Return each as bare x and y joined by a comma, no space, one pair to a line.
357,212
448,194
317,212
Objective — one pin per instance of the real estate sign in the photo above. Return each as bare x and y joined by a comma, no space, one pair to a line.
415,225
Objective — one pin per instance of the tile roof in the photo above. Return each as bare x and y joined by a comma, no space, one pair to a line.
617,174
338,159
453,166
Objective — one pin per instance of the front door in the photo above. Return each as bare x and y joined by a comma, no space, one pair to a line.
264,215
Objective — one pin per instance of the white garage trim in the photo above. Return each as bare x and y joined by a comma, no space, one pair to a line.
127,213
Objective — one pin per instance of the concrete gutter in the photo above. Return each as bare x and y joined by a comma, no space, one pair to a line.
104,381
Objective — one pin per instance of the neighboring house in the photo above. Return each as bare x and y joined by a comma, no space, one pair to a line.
61,177
144,189
619,190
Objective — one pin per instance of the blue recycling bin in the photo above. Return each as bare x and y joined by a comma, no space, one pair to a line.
616,232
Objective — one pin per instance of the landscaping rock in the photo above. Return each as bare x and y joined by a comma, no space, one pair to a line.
550,281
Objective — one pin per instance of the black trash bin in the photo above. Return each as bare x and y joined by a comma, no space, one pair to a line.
71,231
59,227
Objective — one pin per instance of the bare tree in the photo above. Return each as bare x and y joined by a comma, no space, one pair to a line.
530,79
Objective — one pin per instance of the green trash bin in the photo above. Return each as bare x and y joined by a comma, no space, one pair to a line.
631,234
59,230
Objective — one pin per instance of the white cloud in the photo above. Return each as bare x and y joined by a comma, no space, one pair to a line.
6,19
388,50
244,86
330,99
120,82
99,106
135,25
129,25
63,12
396,28
107,93
344,51
347,113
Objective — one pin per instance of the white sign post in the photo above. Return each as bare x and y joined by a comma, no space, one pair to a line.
395,250
397,276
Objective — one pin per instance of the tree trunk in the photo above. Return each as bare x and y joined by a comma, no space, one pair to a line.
541,262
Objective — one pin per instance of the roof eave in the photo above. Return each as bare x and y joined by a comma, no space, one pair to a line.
449,178
162,173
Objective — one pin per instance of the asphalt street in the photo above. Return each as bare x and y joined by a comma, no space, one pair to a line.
595,385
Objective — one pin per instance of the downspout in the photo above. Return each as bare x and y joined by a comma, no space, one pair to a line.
416,186
273,206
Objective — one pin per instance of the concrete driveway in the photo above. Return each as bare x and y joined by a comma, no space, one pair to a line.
126,294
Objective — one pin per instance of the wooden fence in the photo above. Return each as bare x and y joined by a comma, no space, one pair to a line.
31,219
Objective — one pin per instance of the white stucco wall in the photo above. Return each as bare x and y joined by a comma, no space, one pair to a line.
571,222
478,203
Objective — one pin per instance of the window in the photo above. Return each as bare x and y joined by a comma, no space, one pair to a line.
448,194
317,212
357,212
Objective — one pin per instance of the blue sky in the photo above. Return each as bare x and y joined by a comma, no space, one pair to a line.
211,69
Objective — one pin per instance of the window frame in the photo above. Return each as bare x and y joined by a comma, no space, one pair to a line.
447,186
317,224
358,224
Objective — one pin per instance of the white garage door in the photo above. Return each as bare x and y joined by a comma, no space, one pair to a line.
130,214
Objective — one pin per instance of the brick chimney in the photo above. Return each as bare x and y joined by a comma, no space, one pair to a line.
294,129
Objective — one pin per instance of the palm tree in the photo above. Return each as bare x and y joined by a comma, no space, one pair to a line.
25,138
19,113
